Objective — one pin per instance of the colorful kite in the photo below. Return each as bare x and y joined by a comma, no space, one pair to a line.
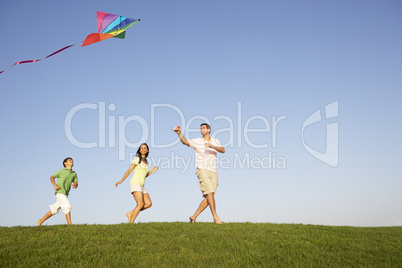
109,25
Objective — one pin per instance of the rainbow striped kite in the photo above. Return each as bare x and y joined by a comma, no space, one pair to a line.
109,25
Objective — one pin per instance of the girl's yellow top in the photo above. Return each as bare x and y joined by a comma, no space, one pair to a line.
140,172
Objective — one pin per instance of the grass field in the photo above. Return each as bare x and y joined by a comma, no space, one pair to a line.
178,244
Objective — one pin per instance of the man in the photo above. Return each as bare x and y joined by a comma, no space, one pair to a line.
205,149
66,178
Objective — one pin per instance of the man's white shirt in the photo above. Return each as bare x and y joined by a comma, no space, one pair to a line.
205,158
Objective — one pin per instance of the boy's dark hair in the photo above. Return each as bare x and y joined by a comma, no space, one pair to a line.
65,160
205,124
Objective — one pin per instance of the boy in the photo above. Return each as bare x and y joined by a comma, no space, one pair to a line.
65,179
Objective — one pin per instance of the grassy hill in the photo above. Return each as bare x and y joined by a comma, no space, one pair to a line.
178,244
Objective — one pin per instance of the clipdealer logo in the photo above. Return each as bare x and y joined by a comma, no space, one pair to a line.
331,154
240,131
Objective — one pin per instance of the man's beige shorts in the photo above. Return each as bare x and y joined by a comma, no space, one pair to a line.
208,181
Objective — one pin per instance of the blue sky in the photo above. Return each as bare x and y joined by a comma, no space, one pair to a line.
258,71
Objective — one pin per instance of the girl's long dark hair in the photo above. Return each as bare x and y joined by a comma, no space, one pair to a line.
139,153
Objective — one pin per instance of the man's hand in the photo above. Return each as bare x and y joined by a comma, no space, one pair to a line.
181,137
217,148
57,187
177,130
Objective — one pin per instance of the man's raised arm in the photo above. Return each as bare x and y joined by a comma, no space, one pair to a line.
181,137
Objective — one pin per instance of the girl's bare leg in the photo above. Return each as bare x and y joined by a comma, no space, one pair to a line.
139,198
147,202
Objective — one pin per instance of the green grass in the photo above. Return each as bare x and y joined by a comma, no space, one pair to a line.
179,244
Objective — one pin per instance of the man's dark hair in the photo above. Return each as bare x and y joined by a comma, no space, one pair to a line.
205,124
65,160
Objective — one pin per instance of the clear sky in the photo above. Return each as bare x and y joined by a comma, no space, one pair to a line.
305,96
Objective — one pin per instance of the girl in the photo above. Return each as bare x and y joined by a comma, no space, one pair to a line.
141,196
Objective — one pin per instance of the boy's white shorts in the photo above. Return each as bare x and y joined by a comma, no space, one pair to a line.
61,203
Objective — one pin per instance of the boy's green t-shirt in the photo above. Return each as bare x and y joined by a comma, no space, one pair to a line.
65,178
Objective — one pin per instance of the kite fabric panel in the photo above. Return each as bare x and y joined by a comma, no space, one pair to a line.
109,25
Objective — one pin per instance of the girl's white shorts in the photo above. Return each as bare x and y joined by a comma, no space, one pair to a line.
135,187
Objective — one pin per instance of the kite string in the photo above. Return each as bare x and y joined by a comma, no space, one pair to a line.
30,61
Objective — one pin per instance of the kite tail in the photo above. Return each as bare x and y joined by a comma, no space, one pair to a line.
29,61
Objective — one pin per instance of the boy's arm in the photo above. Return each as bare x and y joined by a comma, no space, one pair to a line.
56,187
75,182
181,137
